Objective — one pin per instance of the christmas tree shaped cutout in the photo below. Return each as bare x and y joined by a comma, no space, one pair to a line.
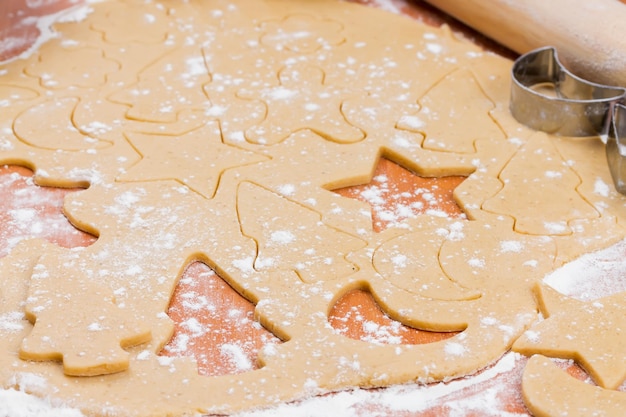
292,237
465,119
540,171
215,324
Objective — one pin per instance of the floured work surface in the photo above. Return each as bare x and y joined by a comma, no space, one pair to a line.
216,133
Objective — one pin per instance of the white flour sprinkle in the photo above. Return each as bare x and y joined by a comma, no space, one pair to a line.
511,246
412,122
12,321
476,263
594,275
555,227
388,5
235,354
44,25
19,404
601,188
408,398
282,237
454,349
434,48
287,189
282,93
553,174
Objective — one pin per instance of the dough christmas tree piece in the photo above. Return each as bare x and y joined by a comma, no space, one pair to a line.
67,333
289,236
540,169
462,103
175,79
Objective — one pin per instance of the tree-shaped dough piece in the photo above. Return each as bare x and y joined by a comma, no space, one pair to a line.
290,236
166,87
550,200
89,338
453,115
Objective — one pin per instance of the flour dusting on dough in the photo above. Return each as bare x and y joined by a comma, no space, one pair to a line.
593,275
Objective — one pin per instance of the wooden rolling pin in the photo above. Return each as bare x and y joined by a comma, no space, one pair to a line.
589,35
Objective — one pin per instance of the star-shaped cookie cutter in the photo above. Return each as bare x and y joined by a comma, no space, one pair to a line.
546,96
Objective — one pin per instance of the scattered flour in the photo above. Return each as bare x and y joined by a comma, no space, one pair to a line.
511,246
388,5
19,404
458,397
589,277
236,356
44,25
454,349
594,275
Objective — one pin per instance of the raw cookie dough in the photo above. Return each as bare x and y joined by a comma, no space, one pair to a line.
566,395
215,132
591,333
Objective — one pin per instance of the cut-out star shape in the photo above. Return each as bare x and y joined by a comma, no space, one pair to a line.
593,333
196,158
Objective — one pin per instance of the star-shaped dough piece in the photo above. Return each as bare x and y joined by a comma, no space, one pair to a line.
196,158
591,333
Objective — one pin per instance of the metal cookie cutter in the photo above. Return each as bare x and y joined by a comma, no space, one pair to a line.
616,147
547,97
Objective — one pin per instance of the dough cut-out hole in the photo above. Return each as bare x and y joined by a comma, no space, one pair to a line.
214,324
576,371
357,315
31,211
408,195
18,23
